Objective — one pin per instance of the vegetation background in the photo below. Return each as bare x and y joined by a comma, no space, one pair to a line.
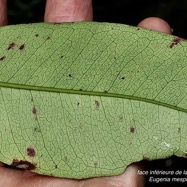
120,11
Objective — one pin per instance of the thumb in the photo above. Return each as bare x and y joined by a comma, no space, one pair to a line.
156,24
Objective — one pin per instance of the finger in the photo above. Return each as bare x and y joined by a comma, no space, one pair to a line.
3,12
68,10
12,178
129,178
157,24
15,178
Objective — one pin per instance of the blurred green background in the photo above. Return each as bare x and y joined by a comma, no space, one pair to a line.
120,11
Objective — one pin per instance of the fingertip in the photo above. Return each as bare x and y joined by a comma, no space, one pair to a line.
3,13
68,10
131,177
156,24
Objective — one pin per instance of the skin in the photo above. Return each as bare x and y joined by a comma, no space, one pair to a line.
68,11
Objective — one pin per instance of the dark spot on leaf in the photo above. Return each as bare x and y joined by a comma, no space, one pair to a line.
11,46
172,45
97,104
48,38
69,75
56,166
36,35
122,78
22,47
31,152
121,118
175,41
138,28
132,129
21,164
62,56
106,91
78,104
36,129
146,158
96,164
41,156
2,58
34,110
185,155
65,158
179,130
81,89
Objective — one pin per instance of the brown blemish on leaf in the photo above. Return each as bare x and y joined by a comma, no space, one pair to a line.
97,104
34,110
78,104
62,56
48,38
31,152
11,46
56,166
179,130
146,158
36,35
132,130
22,47
69,75
175,41
185,155
172,45
2,58
105,91
22,164
122,78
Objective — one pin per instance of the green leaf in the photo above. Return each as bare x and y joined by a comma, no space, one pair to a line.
81,100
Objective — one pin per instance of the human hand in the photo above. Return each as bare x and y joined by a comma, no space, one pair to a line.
62,11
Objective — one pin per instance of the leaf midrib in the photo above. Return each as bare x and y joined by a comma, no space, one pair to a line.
92,93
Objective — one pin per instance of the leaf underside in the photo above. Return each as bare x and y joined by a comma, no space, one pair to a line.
82,100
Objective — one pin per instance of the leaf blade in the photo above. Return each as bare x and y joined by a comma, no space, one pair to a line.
91,83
